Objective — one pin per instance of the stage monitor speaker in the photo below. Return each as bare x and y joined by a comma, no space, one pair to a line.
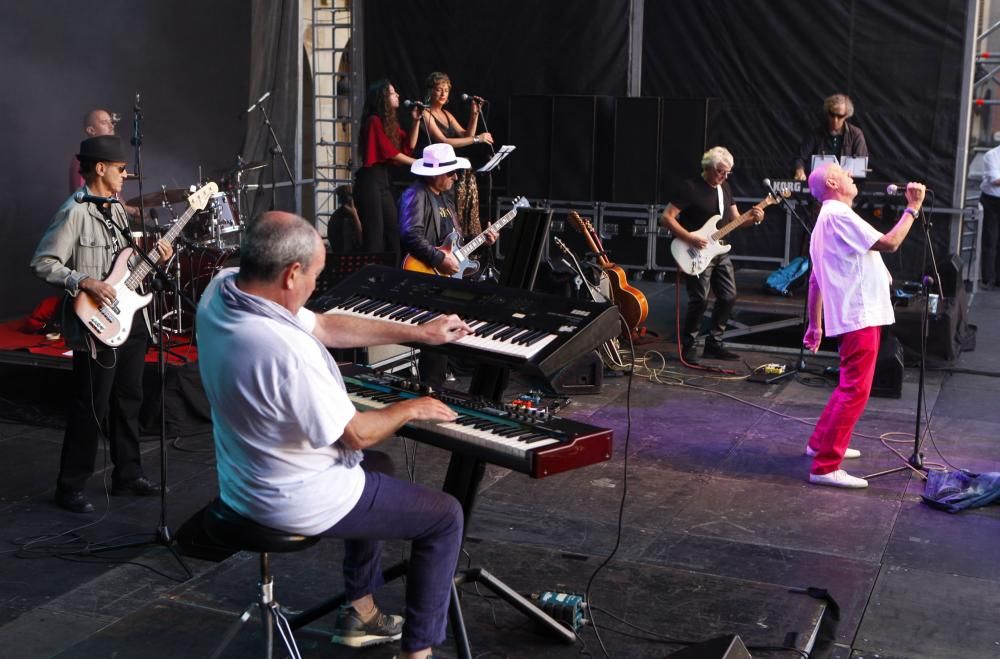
571,169
723,647
583,376
888,380
636,150
530,130
951,276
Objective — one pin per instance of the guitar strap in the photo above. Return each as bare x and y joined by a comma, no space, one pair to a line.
721,210
113,229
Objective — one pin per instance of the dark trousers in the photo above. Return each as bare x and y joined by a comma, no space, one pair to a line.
991,239
107,395
392,509
378,212
719,278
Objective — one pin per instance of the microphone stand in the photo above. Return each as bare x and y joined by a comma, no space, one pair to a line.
275,150
916,460
163,535
800,365
489,273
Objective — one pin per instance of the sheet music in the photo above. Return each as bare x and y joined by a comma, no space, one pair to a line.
502,153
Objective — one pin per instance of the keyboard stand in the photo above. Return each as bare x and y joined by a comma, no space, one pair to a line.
462,480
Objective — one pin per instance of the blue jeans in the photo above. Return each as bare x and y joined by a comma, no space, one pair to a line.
392,509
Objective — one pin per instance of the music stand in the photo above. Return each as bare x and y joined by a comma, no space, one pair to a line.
497,158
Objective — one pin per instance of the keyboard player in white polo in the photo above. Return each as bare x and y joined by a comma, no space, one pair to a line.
289,441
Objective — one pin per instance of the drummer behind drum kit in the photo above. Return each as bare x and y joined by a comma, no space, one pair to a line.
209,242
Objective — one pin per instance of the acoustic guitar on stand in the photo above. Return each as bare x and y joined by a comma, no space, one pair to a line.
692,260
467,266
629,300
111,323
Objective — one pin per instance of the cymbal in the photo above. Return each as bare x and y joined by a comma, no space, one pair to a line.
158,197
250,166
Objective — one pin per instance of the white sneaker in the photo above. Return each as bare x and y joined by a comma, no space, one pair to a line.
849,453
839,478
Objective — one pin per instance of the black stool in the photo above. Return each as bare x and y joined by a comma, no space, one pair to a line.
225,525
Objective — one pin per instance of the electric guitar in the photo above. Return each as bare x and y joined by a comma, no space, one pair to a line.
629,300
453,245
692,260
111,323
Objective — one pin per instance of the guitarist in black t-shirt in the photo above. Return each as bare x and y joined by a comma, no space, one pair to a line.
698,200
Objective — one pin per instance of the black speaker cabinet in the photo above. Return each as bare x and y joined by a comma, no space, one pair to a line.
574,128
583,376
636,150
686,134
888,381
530,128
722,647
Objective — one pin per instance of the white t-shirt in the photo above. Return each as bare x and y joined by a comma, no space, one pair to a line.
852,278
278,411
991,172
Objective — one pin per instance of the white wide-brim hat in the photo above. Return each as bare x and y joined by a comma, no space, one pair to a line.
438,159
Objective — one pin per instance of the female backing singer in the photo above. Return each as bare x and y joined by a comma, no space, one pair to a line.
383,145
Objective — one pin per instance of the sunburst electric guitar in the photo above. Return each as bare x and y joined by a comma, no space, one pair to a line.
111,323
453,245
692,260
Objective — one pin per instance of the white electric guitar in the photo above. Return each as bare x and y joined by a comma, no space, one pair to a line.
692,260
111,323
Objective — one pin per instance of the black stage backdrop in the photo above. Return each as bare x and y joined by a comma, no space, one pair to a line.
760,68
188,58
497,50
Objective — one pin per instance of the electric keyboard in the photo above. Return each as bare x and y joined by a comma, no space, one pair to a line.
532,332
535,443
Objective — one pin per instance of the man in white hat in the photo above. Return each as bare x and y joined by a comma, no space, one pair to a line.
426,216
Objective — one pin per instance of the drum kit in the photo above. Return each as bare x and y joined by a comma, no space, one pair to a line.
209,242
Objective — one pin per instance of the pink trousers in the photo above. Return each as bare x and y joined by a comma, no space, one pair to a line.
858,353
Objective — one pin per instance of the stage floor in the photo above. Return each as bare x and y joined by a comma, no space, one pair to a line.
719,528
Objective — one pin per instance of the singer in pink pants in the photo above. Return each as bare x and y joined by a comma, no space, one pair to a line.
848,299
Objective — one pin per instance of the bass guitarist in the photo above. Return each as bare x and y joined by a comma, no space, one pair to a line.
426,216
698,200
76,253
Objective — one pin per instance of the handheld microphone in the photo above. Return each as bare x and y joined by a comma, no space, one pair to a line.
414,104
475,99
894,189
259,101
82,197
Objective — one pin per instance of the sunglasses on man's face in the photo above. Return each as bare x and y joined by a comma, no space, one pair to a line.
837,116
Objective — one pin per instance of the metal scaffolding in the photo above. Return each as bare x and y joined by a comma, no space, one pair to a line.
336,66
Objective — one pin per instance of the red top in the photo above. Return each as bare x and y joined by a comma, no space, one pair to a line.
377,148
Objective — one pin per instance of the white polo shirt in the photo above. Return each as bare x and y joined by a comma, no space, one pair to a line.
278,411
852,277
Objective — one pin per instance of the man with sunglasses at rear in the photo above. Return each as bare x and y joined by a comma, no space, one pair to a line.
835,137
76,254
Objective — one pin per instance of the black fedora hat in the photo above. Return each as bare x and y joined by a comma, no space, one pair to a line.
103,148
